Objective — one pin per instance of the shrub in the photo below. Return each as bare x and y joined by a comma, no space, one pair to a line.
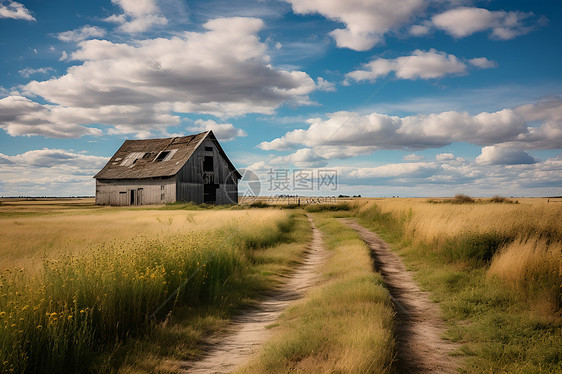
314,208
462,199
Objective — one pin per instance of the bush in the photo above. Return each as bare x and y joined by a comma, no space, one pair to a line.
502,200
314,208
462,199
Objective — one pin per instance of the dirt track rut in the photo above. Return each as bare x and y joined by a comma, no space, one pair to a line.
249,329
418,323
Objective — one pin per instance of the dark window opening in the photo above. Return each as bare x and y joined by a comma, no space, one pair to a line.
162,155
133,197
209,149
208,163
147,155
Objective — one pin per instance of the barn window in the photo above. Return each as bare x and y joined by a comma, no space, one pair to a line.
162,155
165,155
209,149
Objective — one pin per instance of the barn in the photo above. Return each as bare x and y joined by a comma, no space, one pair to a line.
157,171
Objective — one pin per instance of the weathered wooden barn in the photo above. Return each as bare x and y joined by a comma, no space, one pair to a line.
157,171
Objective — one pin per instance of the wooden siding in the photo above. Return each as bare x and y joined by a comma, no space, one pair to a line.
190,180
145,191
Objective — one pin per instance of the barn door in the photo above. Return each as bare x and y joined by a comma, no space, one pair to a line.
139,196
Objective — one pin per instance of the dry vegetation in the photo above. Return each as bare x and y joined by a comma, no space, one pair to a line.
101,282
495,268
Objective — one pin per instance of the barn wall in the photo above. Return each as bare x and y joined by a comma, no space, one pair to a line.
146,191
190,179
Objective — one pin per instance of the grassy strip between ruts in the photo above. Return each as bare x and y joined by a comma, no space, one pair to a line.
343,325
502,329
78,309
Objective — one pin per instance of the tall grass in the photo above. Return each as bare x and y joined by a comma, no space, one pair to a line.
59,318
533,269
473,234
495,270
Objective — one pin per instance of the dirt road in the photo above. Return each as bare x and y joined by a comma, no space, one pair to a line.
250,331
418,326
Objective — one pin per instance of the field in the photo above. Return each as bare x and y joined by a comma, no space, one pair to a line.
129,290
494,268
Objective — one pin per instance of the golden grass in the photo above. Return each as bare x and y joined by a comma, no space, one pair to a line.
108,272
531,267
429,222
495,270
27,239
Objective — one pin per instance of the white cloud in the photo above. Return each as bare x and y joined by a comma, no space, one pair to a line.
302,158
15,10
138,15
366,21
223,70
420,30
85,32
347,134
324,85
502,155
413,157
419,65
442,157
223,131
483,63
26,72
51,172
464,21
409,170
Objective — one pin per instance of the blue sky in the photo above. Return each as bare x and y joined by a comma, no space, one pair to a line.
429,98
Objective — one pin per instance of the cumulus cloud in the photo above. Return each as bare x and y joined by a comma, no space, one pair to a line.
324,85
15,10
366,21
51,172
483,63
501,155
27,72
82,33
419,65
138,15
464,21
347,134
442,157
303,158
223,131
413,157
223,70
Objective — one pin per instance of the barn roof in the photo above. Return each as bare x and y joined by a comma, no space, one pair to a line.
152,158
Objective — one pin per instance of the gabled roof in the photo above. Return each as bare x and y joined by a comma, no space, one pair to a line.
136,159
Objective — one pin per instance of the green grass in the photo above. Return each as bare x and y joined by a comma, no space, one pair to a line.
79,312
344,325
499,330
